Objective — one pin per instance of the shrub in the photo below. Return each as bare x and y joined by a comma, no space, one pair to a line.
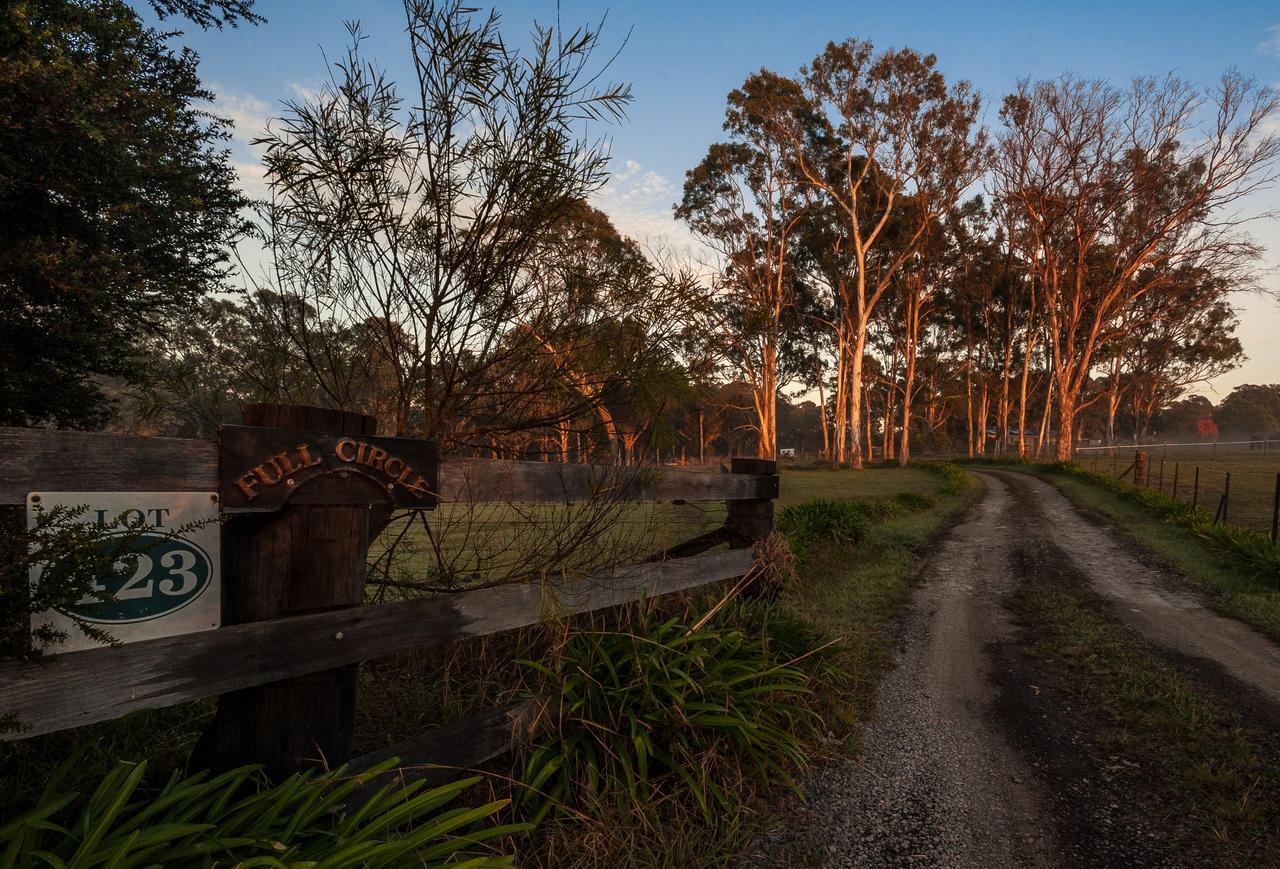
911,502
954,480
820,521
674,709
224,820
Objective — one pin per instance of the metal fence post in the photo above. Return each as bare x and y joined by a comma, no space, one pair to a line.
1195,492
1175,480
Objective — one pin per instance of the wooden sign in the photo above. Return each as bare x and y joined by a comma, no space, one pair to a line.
167,583
262,469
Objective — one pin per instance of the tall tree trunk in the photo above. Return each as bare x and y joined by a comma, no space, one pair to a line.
822,417
1066,424
702,440
1003,408
866,398
985,414
968,393
904,451
909,375
1022,405
1046,417
842,400
855,405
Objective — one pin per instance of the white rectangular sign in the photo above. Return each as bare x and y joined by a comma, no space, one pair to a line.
166,584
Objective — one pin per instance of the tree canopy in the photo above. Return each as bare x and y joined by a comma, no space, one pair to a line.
119,197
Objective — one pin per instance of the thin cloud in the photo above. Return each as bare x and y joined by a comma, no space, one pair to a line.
247,112
1272,43
638,201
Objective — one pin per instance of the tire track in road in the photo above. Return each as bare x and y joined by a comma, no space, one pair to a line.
1153,602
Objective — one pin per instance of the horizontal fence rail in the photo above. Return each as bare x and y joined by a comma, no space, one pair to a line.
1257,444
34,460
101,684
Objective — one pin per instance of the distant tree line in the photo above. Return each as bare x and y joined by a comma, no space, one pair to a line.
884,274
1248,411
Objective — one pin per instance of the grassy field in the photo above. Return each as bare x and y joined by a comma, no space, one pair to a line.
463,545
877,484
1253,476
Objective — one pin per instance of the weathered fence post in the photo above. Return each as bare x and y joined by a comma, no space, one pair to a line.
301,559
1176,465
1139,467
1275,515
751,520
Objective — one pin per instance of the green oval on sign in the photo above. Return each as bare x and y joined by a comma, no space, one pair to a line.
162,576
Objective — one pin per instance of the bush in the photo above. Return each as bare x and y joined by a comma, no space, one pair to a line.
820,521
226,821
911,502
678,709
954,480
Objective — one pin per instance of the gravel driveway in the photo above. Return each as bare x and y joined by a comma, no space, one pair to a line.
938,782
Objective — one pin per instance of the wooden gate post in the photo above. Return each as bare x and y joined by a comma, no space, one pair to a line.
301,559
751,520
1140,467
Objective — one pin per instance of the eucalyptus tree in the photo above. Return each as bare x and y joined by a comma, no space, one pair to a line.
879,128
422,216
743,201
1188,338
1116,188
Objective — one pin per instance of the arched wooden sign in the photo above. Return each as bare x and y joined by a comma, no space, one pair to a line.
262,469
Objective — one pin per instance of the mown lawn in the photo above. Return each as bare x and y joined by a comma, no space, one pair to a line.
877,484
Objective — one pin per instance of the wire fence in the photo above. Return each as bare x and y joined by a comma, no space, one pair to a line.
1237,481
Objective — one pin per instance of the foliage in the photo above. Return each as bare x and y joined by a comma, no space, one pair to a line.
912,502
820,521
674,709
955,480
119,200
1250,409
82,553
209,13
449,229
235,819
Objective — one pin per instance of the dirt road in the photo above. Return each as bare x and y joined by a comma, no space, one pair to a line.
975,758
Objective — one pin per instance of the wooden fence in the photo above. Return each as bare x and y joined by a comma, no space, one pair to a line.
294,628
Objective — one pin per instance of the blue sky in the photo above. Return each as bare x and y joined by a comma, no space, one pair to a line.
683,58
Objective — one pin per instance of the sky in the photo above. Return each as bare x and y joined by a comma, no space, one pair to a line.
683,58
